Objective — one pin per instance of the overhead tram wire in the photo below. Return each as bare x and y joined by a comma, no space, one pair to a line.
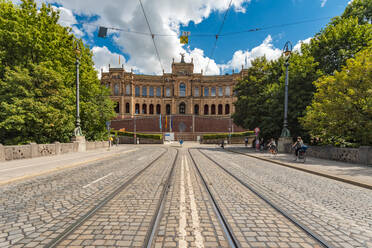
208,34
152,35
218,33
275,26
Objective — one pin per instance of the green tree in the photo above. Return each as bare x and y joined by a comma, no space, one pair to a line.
337,43
33,44
341,112
261,94
361,9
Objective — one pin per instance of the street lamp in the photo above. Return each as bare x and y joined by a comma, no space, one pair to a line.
287,50
77,130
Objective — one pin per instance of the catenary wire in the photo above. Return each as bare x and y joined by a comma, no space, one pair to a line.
206,34
218,33
152,35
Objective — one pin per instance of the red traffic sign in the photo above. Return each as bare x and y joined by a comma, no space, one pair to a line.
257,130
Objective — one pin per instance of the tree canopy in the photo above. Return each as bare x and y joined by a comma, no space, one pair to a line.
37,78
341,112
261,94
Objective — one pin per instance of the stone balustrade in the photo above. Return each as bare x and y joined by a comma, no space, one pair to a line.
34,150
361,155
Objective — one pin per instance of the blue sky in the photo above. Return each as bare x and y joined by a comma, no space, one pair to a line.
199,17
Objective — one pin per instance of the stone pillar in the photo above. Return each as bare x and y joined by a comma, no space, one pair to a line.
81,144
2,153
365,155
284,144
57,147
34,150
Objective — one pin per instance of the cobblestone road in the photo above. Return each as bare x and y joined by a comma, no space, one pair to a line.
31,211
125,220
189,219
34,211
253,222
341,213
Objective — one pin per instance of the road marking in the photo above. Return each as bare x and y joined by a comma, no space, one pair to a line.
141,158
182,227
96,181
63,167
194,211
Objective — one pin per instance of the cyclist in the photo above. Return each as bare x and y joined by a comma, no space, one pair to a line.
272,146
298,145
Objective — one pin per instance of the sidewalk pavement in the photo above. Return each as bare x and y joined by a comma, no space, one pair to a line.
357,174
21,169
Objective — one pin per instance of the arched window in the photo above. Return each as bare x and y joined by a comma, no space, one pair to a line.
151,111
227,91
127,89
220,107
182,108
158,91
182,89
144,91
137,108
196,91
196,109
144,109
220,91
206,91
168,109
137,91
116,89
158,109
127,110
213,91
213,109
167,92
227,109
117,107
151,91
206,109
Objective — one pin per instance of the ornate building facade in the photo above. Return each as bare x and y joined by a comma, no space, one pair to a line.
193,103
180,92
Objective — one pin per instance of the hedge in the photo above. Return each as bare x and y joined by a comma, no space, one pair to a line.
139,135
226,135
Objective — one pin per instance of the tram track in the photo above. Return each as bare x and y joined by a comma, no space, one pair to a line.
289,217
231,238
313,172
104,202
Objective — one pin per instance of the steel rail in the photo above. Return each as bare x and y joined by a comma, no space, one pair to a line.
278,209
231,238
159,210
321,174
69,230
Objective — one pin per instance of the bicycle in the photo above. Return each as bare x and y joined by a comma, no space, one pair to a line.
273,150
301,155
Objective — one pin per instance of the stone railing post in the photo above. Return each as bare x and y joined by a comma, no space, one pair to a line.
34,148
57,146
2,153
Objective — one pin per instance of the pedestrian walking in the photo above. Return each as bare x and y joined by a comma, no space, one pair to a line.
246,141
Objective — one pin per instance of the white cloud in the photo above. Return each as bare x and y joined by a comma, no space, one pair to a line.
323,3
241,57
102,58
165,17
297,47
67,18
